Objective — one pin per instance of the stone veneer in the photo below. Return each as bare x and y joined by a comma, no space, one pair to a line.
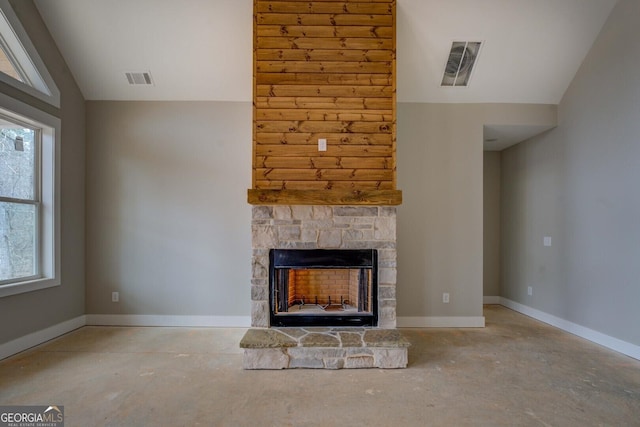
324,348
324,227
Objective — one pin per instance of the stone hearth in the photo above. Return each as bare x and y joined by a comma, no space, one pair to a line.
324,348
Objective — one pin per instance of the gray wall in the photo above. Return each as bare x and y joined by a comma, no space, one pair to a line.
33,311
440,223
166,202
440,220
491,224
168,224
579,185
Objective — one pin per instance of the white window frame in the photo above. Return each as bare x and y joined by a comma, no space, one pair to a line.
49,211
15,39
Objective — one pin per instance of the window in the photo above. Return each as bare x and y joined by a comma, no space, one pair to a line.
7,67
20,65
29,228
19,200
29,208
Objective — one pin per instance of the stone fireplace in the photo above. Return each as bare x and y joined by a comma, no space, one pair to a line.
341,244
330,228
324,183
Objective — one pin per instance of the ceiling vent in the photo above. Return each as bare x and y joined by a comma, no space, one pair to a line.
139,78
459,66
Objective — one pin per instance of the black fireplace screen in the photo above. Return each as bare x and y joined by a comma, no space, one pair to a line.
323,287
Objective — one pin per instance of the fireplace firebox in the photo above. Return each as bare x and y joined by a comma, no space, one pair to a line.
323,287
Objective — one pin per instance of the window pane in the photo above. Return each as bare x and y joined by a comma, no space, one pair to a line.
17,161
17,240
7,67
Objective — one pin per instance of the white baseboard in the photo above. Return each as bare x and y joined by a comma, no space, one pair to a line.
441,322
36,338
491,300
168,320
615,344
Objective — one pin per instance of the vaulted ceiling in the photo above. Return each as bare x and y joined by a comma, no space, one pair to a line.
202,49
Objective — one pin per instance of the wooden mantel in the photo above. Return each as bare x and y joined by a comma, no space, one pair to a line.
325,197
324,70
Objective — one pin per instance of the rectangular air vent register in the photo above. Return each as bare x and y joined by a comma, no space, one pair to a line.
139,78
460,63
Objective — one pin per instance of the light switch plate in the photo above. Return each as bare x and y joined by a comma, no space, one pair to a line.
547,241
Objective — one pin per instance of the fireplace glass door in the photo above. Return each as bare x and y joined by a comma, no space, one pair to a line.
323,287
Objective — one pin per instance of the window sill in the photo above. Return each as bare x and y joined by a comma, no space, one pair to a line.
28,286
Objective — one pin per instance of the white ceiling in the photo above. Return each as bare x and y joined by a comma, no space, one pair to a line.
532,48
202,49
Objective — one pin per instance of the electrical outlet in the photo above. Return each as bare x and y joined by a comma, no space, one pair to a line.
530,290
547,240
445,298
322,144
115,296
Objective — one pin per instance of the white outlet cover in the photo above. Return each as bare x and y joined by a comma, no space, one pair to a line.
322,144
547,240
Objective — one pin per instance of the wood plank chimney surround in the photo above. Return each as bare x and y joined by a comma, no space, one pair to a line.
324,183
324,70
